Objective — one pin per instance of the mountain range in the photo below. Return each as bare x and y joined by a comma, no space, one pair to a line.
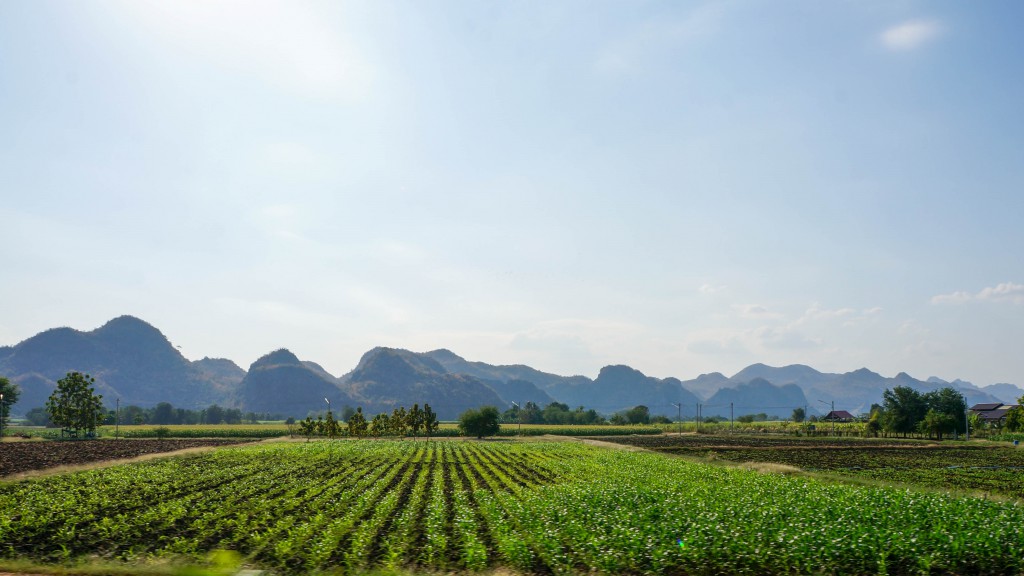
133,361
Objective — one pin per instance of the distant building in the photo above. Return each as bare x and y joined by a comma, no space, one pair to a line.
992,412
839,416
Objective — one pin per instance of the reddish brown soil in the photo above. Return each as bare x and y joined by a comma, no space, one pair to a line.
17,457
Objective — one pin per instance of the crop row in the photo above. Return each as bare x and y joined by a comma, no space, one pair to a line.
535,507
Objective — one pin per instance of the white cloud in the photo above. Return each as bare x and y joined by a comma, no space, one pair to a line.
816,312
754,311
711,288
1004,292
910,35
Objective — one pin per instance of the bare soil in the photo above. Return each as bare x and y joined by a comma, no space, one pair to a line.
22,457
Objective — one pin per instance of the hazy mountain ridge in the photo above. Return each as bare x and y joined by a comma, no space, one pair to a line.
516,383
387,378
280,383
135,362
756,396
129,358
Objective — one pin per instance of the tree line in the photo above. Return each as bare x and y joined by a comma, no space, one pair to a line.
163,413
399,422
557,413
905,411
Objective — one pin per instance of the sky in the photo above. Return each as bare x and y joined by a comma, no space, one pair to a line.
683,187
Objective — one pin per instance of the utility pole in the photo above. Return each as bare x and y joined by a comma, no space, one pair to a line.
730,416
519,411
967,425
679,405
1,417
833,414
117,419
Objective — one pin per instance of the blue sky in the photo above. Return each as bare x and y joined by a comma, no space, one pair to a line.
681,187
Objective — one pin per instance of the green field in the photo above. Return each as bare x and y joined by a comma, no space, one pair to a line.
536,507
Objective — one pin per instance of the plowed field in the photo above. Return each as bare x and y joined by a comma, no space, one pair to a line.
978,467
16,457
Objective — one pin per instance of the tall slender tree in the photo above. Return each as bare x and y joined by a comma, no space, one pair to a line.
414,419
357,424
430,423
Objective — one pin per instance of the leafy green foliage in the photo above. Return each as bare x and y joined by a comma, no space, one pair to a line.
937,423
554,508
74,406
1015,417
415,419
331,428
951,407
906,410
480,423
357,425
799,415
9,394
903,408
430,423
874,423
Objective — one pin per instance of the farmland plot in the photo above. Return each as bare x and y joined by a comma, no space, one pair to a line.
18,457
990,468
544,507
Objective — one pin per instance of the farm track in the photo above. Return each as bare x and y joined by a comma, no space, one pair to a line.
542,508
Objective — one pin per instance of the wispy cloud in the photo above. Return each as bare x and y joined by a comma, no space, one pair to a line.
754,311
1004,292
711,288
719,344
910,35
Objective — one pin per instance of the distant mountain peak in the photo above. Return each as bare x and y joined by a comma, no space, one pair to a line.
279,357
128,332
126,322
711,376
445,355
864,372
619,370
383,363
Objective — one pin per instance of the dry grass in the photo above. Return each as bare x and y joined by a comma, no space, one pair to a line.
598,443
771,468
